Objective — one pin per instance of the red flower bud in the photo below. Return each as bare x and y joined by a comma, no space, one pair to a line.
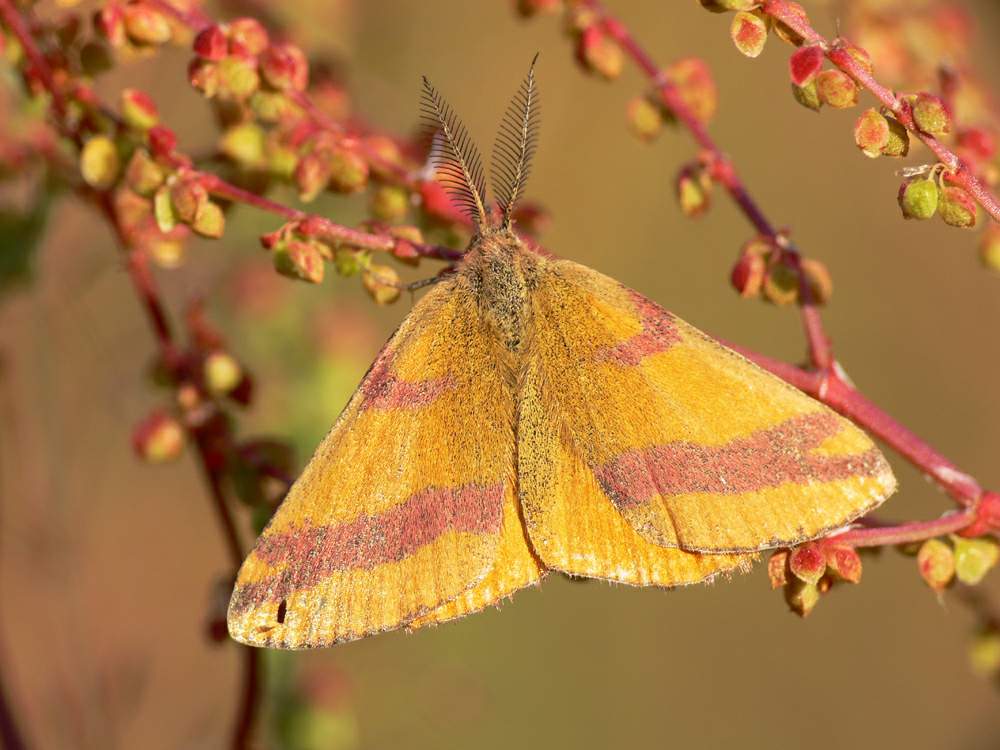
211,43
138,109
247,36
807,562
162,141
284,67
749,33
747,276
146,25
158,438
804,64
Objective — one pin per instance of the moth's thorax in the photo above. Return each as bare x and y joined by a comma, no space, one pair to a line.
502,273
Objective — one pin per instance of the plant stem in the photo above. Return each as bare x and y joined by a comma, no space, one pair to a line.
328,229
913,531
835,392
836,53
820,350
208,454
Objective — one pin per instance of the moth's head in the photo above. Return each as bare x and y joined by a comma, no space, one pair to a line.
455,158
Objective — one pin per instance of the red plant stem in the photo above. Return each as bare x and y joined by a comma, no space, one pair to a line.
13,20
326,228
832,390
837,54
915,531
820,350
145,288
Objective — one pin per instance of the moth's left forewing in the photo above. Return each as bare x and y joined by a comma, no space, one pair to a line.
697,447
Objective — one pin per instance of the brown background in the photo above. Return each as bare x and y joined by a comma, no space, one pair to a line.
108,565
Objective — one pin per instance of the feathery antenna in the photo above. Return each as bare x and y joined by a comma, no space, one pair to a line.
515,145
454,156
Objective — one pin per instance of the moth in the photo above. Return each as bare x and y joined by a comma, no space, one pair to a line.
531,414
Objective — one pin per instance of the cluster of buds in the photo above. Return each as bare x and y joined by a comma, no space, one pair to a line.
596,50
692,80
136,25
928,193
967,560
765,270
807,572
302,249
693,187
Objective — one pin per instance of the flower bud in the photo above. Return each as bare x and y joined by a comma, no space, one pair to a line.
787,33
645,118
138,110
989,248
936,563
247,36
299,260
188,197
238,78
99,162
312,174
859,55
747,276
284,67
930,115
777,568
808,95
158,438
898,143
211,44
390,203
110,23
221,373
693,187
807,562
977,144
749,33
384,154
804,64
382,283
694,82
163,210
210,221
146,25
143,175
918,199
244,144
162,141
600,53
836,89
781,284
984,653
725,6
203,75
844,561
871,133
819,280
802,597
974,558
350,262
348,171
956,207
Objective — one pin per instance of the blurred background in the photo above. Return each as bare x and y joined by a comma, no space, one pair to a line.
109,567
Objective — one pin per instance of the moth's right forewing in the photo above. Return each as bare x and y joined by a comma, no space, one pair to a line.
403,506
